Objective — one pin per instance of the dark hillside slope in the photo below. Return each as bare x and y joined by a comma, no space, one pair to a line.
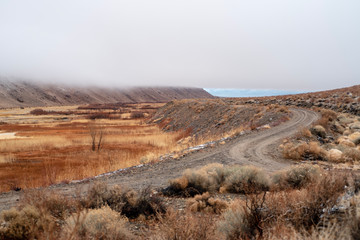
28,94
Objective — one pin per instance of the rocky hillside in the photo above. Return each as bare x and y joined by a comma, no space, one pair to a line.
345,100
28,94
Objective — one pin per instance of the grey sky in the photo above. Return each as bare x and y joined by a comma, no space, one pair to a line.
277,44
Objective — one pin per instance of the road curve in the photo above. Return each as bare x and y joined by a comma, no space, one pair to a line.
256,148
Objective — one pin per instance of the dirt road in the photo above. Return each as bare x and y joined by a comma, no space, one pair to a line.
257,148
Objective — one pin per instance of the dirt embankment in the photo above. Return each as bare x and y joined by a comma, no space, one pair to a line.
216,117
257,148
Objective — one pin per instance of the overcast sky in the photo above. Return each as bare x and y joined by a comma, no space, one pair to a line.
257,44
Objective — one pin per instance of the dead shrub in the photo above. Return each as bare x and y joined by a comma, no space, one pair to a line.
245,220
103,223
58,206
303,133
351,154
126,201
215,177
327,116
205,203
25,223
186,226
194,182
303,150
296,177
305,208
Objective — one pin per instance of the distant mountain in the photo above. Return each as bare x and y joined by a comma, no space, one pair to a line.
30,94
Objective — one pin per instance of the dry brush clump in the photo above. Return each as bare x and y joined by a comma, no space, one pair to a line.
216,177
280,212
207,204
296,177
184,226
303,150
103,223
126,201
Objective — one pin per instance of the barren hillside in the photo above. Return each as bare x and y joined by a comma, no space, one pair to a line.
346,100
27,94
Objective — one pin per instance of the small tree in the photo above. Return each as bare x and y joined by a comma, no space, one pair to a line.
97,136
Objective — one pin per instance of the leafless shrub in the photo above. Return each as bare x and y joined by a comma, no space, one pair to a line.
305,208
186,226
205,203
245,220
97,138
351,154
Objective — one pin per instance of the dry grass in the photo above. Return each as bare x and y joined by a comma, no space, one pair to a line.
186,226
61,150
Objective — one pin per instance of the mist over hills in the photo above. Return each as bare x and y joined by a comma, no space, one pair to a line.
31,94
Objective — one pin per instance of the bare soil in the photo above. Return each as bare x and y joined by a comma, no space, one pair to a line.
258,148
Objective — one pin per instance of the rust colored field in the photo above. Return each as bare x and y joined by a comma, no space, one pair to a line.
53,148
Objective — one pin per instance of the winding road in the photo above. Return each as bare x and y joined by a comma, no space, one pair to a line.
258,148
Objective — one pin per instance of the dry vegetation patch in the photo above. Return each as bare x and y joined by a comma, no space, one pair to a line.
56,147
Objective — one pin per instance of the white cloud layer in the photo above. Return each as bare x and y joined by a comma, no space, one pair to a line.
277,44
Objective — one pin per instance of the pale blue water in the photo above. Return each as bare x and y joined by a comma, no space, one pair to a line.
230,92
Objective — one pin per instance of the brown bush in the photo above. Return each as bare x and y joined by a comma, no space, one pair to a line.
197,181
126,201
39,111
245,220
205,203
136,115
351,154
215,177
305,208
100,115
26,223
56,205
186,226
301,150
246,179
103,223
296,177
